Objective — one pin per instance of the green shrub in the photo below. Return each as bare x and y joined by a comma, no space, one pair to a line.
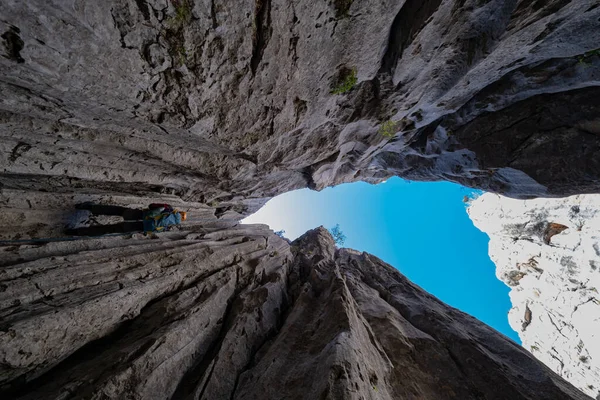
182,55
346,82
583,59
183,12
388,129
338,235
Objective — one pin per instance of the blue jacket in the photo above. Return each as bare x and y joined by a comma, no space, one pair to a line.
161,221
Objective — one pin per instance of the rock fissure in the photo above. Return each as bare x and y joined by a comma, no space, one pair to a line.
204,370
13,44
263,304
214,108
261,32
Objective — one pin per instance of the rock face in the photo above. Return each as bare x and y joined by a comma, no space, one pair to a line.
238,313
548,252
215,107
234,103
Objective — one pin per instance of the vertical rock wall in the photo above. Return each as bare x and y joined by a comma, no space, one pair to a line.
548,252
215,107
238,313
231,101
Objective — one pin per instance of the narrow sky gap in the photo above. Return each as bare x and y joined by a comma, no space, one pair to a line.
421,228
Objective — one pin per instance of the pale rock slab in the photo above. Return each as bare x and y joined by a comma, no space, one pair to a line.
548,252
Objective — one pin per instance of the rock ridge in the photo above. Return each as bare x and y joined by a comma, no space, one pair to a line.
239,313
215,107
230,103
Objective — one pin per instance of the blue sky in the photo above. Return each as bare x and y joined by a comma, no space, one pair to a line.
421,228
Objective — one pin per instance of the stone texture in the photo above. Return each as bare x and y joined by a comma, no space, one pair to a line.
215,107
547,251
231,102
239,313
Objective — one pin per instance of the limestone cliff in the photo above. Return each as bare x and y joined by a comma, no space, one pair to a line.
548,252
238,313
234,102
215,107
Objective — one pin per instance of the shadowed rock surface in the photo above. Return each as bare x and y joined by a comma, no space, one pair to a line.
232,102
238,313
214,107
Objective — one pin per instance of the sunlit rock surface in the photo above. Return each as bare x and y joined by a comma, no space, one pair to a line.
238,313
548,252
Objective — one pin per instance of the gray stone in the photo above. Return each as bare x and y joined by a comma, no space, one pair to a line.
239,313
229,102
215,107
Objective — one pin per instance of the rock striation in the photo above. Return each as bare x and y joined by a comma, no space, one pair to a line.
548,252
222,102
239,313
214,107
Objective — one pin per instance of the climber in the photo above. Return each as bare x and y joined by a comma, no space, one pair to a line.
156,218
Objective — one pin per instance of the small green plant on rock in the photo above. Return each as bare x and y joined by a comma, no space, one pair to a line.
346,81
583,62
182,55
388,129
183,12
250,138
583,59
